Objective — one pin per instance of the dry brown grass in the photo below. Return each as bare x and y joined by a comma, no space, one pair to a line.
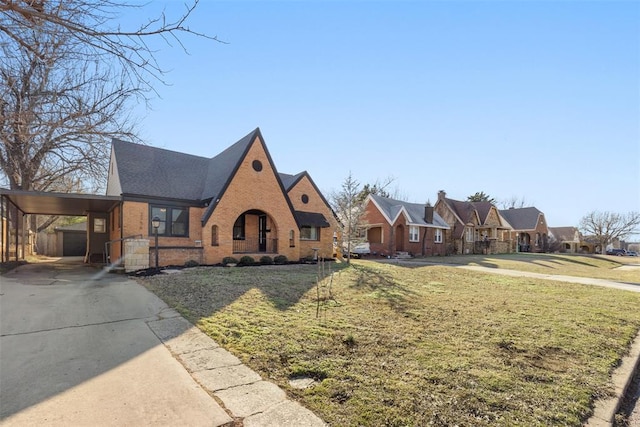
430,345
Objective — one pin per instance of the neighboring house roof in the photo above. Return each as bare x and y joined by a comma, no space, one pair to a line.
467,210
414,212
521,218
564,234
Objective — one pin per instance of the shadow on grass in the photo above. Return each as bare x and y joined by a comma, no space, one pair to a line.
384,286
492,260
205,291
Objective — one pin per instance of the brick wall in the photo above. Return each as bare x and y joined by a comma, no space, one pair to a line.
251,190
314,203
390,240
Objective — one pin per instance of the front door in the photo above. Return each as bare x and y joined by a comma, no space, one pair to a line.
262,233
399,238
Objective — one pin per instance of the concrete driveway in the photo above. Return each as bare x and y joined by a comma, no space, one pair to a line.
76,349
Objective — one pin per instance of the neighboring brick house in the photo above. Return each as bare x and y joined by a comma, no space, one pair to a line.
474,227
530,227
395,226
570,240
233,204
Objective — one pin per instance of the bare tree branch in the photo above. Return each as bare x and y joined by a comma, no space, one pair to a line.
607,227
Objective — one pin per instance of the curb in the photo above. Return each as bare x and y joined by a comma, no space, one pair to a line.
605,410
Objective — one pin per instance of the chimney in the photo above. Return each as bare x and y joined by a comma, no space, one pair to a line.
428,213
441,195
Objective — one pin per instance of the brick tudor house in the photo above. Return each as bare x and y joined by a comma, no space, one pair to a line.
474,227
394,227
529,227
233,204
480,227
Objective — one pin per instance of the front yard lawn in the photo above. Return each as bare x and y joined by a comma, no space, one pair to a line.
431,345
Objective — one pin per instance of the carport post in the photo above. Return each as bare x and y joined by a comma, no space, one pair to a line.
3,224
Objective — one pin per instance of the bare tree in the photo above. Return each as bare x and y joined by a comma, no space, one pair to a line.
514,202
68,78
379,188
92,26
349,208
58,114
606,227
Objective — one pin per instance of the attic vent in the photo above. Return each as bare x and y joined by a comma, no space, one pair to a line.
257,165
305,199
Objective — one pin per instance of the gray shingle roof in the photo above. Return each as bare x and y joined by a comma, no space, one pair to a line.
521,218
563,233
222,167
415,211
155,172
288,181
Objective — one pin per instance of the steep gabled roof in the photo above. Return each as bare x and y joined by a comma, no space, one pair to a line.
464,210
564,233
521,218
483,209
414,212
223,166
155,172
289,181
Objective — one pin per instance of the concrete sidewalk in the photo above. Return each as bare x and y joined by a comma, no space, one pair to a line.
242,392
633,287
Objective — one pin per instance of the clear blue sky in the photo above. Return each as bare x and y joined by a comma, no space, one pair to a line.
527,99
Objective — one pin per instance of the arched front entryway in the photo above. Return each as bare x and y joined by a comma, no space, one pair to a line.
400,238
524,242
254,231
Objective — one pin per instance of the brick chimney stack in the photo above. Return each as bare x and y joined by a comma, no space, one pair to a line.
441,195
428,213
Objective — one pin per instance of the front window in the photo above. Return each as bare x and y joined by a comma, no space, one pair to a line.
438,236
309,233
414,233
238,228
469,234
374,235
174,221
214,235
99,225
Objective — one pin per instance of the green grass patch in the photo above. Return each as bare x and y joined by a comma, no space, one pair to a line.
429,345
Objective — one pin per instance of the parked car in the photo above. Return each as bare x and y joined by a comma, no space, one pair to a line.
617,252
632,253
359,249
